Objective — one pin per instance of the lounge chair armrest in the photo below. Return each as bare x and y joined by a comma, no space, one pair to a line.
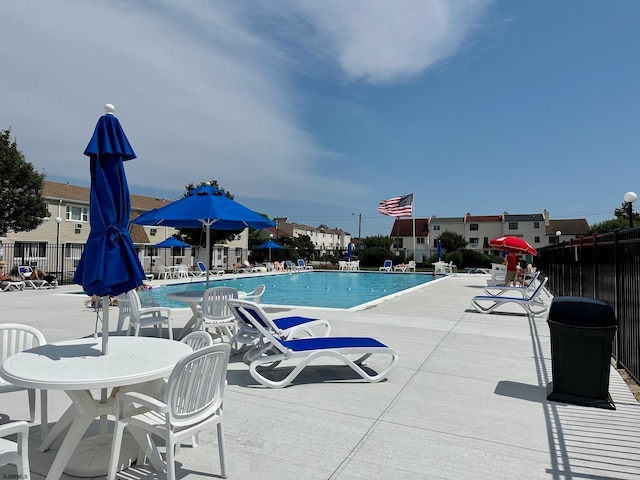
156,310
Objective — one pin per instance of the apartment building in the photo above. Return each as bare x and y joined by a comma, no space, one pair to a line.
57,244
536,228
327,241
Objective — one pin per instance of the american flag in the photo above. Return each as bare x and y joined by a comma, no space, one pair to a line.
397,206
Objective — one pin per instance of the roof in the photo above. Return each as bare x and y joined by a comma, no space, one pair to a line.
525,217
403,227
81,194
575,226
483,218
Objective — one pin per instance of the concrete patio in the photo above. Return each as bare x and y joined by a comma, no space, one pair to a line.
467,401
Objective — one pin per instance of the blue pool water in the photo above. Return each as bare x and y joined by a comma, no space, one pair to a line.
309,289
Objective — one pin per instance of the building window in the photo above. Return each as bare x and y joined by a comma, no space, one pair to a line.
435,228
30,250
536,224
150,251
153,231
553,239
513,225
79,214
73,250
420,240
485,241
536,239
473,227
474,242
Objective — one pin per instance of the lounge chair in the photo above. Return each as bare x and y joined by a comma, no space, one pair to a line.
303,266
7,285
526,291
532,304
203,270
26,274
309,349
287,327
290,266
386,266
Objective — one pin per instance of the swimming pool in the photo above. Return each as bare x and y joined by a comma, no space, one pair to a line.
308,289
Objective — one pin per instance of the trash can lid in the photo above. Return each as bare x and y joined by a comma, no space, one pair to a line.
582,311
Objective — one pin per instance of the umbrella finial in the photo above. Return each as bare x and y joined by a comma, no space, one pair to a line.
109,109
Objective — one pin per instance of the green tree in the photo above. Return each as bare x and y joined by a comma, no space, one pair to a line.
23,208
378,241
452,241
304,246
620,221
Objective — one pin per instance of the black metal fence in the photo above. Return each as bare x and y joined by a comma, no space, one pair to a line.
605,266
60,260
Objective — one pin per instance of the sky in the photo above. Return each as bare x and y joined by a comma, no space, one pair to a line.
318,110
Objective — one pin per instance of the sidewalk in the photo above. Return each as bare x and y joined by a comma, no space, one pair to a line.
467,401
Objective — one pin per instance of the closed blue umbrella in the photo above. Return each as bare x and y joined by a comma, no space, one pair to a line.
439,250
109,264
207,207
349,250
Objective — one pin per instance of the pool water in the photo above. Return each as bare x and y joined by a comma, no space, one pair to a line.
308,289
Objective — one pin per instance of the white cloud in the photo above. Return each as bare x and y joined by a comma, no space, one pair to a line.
202,88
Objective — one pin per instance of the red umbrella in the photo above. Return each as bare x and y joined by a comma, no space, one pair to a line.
513,244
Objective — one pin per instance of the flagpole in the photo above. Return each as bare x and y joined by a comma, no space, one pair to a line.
413,215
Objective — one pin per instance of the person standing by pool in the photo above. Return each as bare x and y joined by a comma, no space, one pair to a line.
511,261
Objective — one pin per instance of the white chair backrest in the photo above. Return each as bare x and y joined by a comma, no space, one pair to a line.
196,385
198,339
252,315
214,303
134,305
124,309
412,264
15,338
202,267
254,296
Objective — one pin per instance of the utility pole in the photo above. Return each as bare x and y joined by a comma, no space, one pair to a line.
359,228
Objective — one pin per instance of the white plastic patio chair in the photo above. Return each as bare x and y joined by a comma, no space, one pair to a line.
15,453
216,314
192,403
15,338
143,317
255,294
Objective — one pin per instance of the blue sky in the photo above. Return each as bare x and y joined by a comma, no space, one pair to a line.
317,110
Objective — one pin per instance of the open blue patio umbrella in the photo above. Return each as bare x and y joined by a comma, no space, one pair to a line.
109,264
270,244
171,242
208,207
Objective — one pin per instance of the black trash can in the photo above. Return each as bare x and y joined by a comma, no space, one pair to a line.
582,331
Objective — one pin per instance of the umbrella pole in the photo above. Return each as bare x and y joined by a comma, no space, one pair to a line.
105,323
208,243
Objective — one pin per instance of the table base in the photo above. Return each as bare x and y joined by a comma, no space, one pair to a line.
91,457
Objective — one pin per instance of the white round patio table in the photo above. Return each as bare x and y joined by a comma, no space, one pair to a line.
77,367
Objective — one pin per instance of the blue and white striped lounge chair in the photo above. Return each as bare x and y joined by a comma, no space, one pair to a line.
386,266
306,350
531,304
287,327
203,270
302,265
